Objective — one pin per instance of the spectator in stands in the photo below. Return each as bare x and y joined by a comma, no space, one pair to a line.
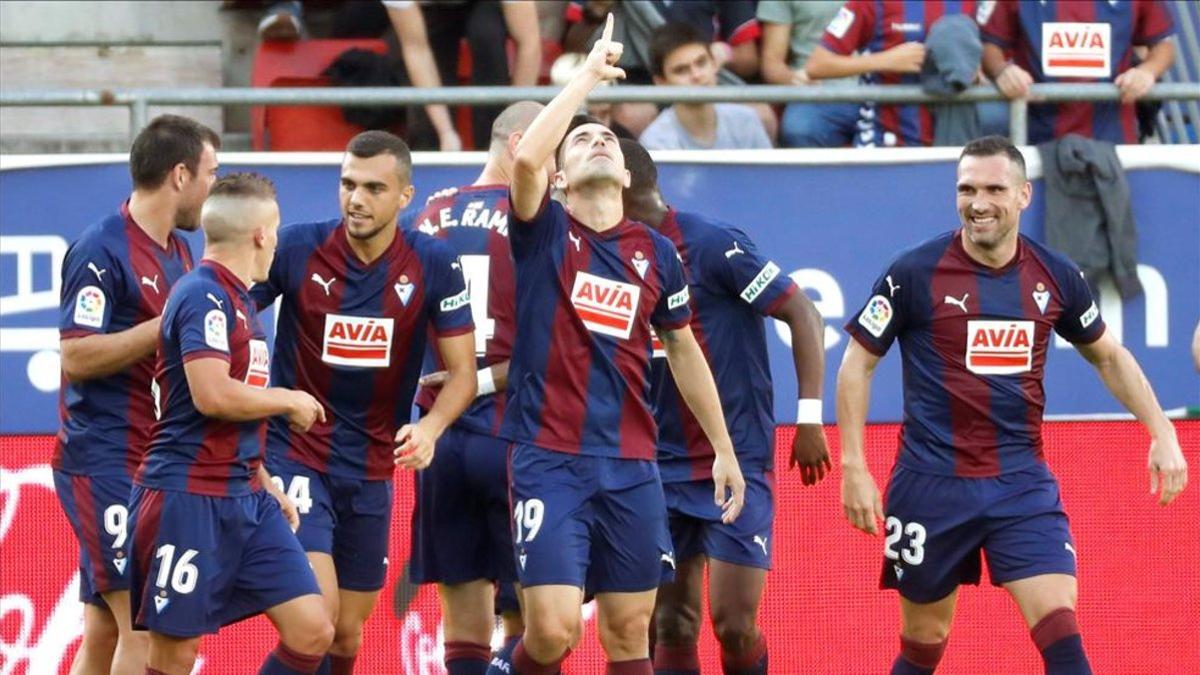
561,73
681,56
1077,42
881,42
795,27
729,27
430,34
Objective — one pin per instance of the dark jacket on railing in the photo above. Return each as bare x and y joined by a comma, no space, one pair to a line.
1089,217
952,55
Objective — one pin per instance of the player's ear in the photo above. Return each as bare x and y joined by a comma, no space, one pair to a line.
406,195
1025,195
560,180
179,175
513,139
627,180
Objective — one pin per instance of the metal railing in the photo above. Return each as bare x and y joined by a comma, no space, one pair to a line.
139,100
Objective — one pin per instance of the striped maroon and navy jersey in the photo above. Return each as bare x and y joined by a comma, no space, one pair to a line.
209,316
353,335
1076,41
973,341
732,288
874,26
579,379
474,222
114,277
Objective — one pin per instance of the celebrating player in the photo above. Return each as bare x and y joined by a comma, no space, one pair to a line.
211,536
732,288
587,501
115,282
461,538
973,310
359,296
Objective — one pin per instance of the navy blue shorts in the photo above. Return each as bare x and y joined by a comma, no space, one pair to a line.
460,529
506,596
203,562
696,527
593,522
936,527
98,509
348,519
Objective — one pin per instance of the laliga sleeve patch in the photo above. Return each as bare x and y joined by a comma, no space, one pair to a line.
841,23
89,307
876,315
216,334
1089,316
456,301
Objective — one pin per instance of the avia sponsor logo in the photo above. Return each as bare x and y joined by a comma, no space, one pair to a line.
357,341
999,347
258,373
760,282
1077,50
605,306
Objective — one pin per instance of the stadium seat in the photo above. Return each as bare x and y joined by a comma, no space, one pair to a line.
300,64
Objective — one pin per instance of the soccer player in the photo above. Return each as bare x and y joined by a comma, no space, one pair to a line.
211,536
973,310
359,297
588,506
732,287
461,538
116,277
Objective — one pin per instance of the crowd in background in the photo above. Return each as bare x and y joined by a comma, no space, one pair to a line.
945,47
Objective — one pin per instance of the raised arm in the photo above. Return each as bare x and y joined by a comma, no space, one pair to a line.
1123,376
695,383
529,181
809,450
860,495
103,354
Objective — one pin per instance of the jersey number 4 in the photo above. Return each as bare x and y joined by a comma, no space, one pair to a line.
476,270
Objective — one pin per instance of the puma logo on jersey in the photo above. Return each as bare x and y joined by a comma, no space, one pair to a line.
97,271
322,282
734,251
152,283
762,543
999,347
1067,545
357,341
961,304
217,301
574,240
668,558
242,317
892,288
604,305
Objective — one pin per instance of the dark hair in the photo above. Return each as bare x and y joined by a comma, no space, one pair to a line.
669,37
576,122
168,141
243,184
989,146
371,143
642,172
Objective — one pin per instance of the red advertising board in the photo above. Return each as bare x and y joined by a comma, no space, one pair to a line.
823,612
